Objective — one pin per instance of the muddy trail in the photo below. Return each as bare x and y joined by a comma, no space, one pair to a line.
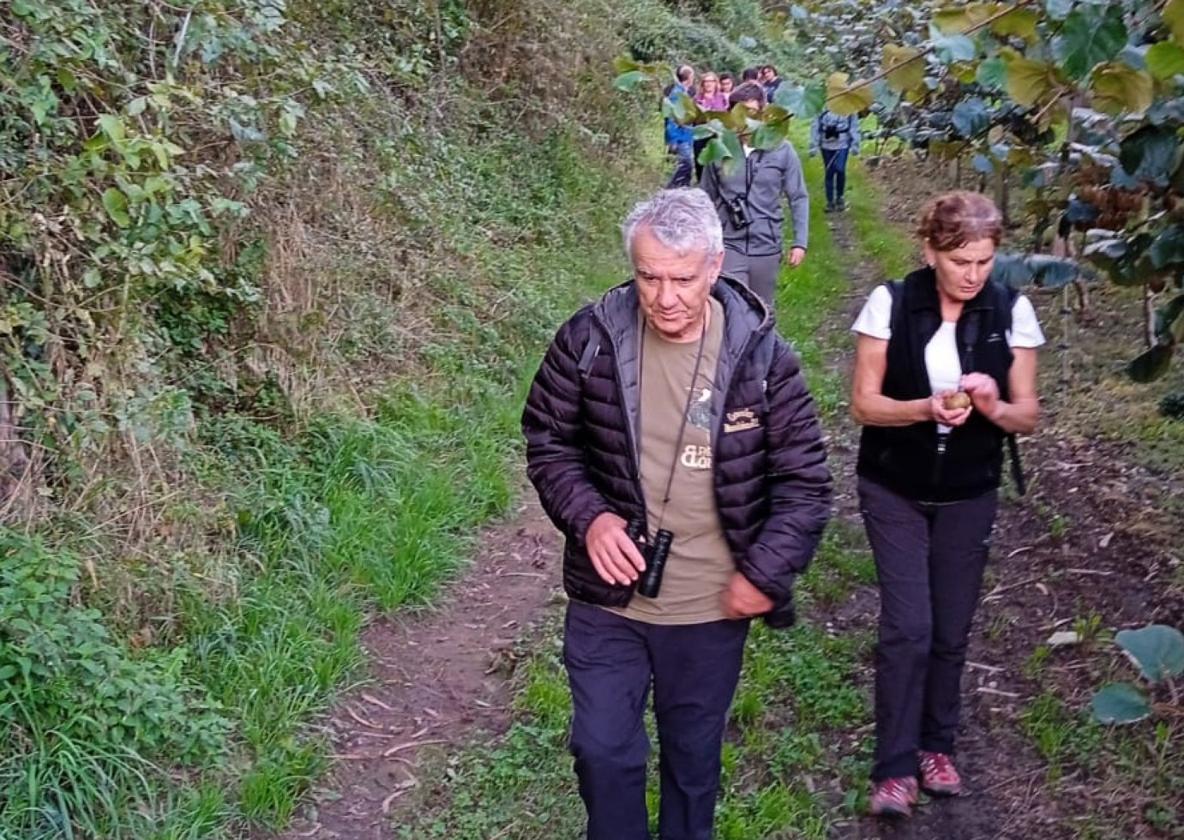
436,680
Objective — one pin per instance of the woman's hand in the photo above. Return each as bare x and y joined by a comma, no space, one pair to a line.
952,417
984,393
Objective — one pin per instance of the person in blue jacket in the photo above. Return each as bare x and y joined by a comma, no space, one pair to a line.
680,139
836,137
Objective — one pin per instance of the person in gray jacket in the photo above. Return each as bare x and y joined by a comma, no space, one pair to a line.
748,201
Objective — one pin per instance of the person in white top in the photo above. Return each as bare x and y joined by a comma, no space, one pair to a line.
945,374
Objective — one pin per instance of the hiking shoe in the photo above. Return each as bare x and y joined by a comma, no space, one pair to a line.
840,205
893,797
938,774
830,207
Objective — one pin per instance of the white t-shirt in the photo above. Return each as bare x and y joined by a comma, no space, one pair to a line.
941,353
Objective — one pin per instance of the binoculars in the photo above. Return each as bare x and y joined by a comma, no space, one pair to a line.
737,212
655,555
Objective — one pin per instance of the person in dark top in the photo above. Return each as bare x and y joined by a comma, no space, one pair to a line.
727,83
770,81
945,373
670,411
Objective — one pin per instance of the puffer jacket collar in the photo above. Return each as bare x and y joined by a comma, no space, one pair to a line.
746,319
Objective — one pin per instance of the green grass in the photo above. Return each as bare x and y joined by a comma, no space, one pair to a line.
888,246
308,530
806,296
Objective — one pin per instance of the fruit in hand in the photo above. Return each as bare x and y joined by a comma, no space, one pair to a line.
953,402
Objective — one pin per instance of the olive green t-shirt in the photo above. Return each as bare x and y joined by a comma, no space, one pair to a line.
700,563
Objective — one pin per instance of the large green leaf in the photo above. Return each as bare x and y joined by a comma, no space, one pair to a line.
1168,247
806,102
1157,648
1058,9
1051,272
845,99
1120,703
953,48
971,117
1173,16
735,158
624,64
1165,60
680,108
1150,154
992,74
112,126
1120,89
1150,365
958,19
904,67
1169,326
714,150
115,203
629,80
768,136
1030,81
1088,38
1019,22
1107,253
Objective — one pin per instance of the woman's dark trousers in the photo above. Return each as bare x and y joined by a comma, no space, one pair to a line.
929,562
611,662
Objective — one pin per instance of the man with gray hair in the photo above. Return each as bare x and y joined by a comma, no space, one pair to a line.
672,440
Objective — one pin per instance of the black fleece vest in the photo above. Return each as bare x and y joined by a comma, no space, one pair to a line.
906,458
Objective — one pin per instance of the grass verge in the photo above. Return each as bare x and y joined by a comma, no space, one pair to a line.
176,703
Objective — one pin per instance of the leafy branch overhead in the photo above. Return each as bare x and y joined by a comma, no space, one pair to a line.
1082,103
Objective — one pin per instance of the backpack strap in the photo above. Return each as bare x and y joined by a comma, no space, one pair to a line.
1005,298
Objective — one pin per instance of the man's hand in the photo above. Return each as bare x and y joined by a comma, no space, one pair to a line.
742,600
984,393
952,417
796,255
614,556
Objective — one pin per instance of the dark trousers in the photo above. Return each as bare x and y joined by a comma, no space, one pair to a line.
696,148
835,161
929,562
684,166
611,662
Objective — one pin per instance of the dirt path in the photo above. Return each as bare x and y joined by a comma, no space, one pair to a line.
435,678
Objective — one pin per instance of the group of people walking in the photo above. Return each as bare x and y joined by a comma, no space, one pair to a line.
673,441
749,197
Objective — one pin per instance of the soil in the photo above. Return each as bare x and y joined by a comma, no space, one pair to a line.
435,678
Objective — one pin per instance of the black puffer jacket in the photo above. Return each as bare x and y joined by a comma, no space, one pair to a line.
772,486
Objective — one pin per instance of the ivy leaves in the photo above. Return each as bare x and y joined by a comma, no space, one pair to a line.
1090,36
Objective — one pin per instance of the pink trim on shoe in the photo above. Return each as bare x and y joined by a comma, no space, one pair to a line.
893,797
938,774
